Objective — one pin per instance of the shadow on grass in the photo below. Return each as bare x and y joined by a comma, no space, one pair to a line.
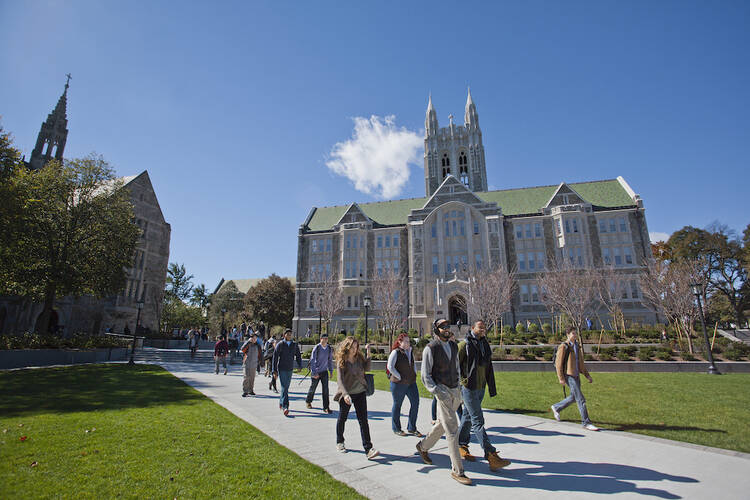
619,426
89,388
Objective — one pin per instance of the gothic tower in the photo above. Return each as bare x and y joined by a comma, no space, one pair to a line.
50,143
454,150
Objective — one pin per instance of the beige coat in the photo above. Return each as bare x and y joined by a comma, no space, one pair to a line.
570,368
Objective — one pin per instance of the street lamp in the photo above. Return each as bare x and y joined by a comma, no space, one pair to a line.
223,312
697,289
366,301
139,306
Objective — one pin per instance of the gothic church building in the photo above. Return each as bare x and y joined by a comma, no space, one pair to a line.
459,223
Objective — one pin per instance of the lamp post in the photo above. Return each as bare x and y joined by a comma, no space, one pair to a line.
139,306
223,312
697,288
366,301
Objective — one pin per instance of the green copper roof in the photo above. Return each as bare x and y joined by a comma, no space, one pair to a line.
609,193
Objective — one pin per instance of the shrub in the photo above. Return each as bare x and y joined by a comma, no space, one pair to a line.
421,343
520,327
664,355
547,329
645,354
609,351
623,356
517,352
629,350
507,330
306,354
78,341
606,357
686,356
533,328
548,356
498,354
588,357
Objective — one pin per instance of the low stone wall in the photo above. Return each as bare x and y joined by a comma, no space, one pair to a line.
22,358
611,366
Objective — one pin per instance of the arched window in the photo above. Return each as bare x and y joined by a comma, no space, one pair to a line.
462,158
446,162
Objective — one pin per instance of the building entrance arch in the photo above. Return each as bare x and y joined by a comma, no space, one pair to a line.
457,310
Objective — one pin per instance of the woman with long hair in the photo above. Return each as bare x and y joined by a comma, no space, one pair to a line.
352,390
403,384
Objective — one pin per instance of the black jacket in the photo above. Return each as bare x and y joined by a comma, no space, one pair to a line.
284,356
469,364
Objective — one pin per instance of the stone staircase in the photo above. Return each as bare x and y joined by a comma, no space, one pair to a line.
736,335
152,355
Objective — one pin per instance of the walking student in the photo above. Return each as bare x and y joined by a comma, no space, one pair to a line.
440,377
475,363
286,352
403,384
352,390
321,364
569,364
250,363
221,349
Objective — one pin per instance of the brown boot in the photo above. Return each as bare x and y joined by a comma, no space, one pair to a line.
425,457
465,455
461,478
497,463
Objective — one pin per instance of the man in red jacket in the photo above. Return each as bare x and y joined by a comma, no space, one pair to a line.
221,349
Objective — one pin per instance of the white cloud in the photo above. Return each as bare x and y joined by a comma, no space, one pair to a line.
656,236
377,157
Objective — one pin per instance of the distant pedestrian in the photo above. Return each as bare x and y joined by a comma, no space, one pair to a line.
440,376
221,349
321,365
569,364
308,333
475,364
268,349
252,357
352,390
403,384
233,343
193,342
287,351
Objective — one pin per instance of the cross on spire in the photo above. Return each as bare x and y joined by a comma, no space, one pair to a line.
67,83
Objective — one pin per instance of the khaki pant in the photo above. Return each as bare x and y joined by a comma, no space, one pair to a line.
448,401
248,381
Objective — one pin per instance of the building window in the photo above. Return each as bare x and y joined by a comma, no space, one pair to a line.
476,228
314,244
602,226
634,289
462,229
395,266
311,303
628,255
395,240
380,242
519,232
388,241
447,228
525,294
521,262
531,261
567,226
433,231
579,255
537,230
380,268
618,257
575,225
348,242
605,256
534,293
478,260
328,245
612,227
559,226
527,228
434,264
328,270
539,260
349,301
361,242
623,228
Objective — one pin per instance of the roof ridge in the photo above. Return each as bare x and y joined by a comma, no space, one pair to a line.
545,186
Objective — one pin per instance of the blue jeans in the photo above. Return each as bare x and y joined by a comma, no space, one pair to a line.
472,420
398,391
286,378
575,395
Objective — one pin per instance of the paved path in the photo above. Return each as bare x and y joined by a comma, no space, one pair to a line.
549,458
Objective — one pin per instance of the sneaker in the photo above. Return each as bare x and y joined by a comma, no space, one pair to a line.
286,412
327,410
252,393
465,455
309,405
496,463
461,478
244,394
591,427
225,371
400,433
415,433
372,453
423,454
340,447
555,413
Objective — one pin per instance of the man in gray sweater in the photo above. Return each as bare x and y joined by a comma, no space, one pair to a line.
440,372
321,364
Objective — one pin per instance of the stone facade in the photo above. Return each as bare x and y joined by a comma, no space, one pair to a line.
145,280
460,224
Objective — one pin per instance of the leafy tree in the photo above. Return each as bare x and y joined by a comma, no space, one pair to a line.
67,230
229,299
177,314
200,298
271,300
10,157
179,283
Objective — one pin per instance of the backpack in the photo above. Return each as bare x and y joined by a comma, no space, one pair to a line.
565,356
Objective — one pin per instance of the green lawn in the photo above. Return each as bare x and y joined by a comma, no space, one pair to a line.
692,407
104,431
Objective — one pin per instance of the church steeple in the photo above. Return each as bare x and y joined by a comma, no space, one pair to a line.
430,121
50,143
471,118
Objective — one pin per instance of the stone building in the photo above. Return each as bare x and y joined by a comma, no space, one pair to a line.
145,280
459,223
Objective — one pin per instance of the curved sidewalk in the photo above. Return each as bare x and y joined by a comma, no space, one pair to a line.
549,458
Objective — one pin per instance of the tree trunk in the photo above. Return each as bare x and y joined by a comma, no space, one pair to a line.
42,323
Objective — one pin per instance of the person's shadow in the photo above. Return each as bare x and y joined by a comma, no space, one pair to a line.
605,478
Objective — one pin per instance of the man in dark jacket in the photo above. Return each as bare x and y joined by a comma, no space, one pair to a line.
284,356
221,349
475,365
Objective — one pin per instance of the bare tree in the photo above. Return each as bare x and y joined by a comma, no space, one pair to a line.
329,297
666,290
389,294
490,294
570,290
610,286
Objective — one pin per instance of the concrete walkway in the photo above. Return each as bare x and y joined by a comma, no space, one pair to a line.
549,458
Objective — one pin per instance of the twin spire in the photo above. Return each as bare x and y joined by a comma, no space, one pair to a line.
471,117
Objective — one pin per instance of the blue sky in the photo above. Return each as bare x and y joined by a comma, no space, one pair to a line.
235,108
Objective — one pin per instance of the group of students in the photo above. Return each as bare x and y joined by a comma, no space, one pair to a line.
456,374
